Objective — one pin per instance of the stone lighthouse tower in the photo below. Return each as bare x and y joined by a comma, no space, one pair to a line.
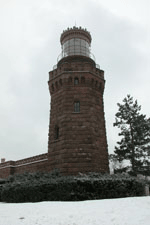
77,135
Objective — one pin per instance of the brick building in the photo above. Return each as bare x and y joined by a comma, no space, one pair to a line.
77,135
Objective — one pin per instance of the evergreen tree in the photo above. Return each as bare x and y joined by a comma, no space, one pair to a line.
135,132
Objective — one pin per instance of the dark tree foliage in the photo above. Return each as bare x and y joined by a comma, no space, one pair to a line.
135,133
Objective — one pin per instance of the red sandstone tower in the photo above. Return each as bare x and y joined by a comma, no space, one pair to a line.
77,135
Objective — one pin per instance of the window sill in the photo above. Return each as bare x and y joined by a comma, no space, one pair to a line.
76,112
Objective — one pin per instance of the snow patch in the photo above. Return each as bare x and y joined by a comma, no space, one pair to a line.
125,211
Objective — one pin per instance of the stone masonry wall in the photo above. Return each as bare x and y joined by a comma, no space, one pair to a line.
32,164
81,146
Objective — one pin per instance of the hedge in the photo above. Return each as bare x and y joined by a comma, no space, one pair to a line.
45,187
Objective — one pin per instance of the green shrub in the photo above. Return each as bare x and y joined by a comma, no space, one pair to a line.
1,187
53,187
2,182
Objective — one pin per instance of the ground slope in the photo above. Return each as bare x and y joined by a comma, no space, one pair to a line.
127,211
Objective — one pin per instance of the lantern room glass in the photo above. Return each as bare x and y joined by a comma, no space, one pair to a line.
76,46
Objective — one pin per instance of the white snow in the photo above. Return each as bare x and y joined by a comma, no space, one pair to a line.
125,211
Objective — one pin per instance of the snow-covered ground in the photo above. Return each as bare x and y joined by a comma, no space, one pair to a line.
127,211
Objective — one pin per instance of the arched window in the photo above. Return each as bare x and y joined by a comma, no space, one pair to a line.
100,86
60,82
52,87
56,132
56,84
77,106
76,81
96,83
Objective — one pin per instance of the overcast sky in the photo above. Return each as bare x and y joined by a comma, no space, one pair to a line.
29,46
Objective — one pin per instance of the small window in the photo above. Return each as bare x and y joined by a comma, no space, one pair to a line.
60,82
77,106
76,81
56,132
100,86
96,83
52,87
56,84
